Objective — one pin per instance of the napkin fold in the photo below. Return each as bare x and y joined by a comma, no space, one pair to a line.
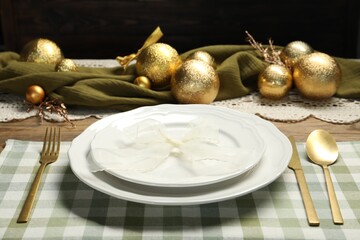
144,146
238,69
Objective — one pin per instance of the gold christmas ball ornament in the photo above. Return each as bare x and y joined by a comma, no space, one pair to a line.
41,51
66,65
195,82
158,62
143,82
293,51
317,76
203,56
35,94
275,81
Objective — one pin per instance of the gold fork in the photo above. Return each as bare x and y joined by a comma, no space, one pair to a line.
49,154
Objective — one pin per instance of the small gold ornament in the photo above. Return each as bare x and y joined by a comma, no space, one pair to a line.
158,62
275,81
317,76
41,51
195,82
293,51
35,94
203,56
66,65
143,82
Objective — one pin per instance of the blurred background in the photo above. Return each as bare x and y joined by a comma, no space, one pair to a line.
105,29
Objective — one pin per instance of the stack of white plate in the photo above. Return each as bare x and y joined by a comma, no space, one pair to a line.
171,183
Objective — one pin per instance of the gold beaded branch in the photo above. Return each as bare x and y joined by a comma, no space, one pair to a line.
269,54
51,106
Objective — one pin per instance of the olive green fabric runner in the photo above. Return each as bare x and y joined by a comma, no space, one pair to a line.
238,69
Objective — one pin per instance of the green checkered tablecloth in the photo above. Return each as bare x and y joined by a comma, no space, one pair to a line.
66,208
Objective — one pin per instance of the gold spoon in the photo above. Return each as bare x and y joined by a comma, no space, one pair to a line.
322,149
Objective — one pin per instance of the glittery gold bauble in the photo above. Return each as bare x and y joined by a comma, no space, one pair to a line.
41,51
275,81
35,94
143,82
317,76
203,56
293,51
158,62
195,82
66,65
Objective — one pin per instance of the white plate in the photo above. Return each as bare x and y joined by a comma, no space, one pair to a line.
236,138
274,161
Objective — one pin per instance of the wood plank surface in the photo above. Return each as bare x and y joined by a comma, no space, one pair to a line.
32,129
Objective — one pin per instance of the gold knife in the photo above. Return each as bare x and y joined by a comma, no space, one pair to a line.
307,200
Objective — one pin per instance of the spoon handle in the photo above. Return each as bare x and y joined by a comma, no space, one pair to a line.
335,209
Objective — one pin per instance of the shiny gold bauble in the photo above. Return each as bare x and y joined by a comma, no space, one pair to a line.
317,76
41,51
293,51
202,56
195,82
158,62
275,81
143,82
66,65
35,94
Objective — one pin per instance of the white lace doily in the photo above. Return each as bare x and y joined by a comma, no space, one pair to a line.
12,107
292,108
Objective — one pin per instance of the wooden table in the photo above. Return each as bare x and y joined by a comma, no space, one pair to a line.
32,129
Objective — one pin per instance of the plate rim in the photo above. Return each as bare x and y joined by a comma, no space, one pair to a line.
164,200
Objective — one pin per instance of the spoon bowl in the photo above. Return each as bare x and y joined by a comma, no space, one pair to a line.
322,149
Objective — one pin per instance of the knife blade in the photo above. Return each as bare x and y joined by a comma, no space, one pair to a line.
295,165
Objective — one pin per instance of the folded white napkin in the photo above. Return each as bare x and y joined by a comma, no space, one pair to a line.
147,144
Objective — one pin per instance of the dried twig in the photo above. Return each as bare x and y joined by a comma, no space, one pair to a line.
269,54
51,106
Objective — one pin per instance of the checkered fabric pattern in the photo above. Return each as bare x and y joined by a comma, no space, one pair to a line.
66,208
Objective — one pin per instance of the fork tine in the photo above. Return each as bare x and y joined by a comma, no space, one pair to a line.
58,142
53,130
45,142
48,142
